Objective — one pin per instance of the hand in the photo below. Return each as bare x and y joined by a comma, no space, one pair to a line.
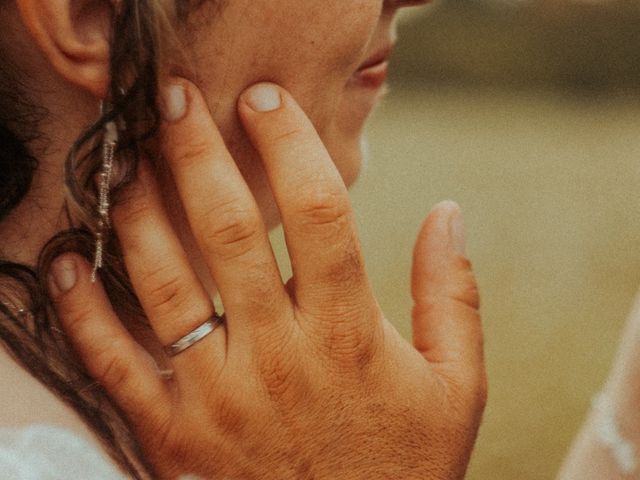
307,379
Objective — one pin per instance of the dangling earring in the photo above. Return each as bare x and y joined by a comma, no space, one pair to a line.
109,145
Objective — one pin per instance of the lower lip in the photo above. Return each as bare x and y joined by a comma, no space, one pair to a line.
372,77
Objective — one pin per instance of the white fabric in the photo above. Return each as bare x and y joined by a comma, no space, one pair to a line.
624,452
42,452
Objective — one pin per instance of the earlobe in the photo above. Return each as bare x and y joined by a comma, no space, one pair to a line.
74,37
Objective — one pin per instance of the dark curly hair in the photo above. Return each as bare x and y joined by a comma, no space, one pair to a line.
142,35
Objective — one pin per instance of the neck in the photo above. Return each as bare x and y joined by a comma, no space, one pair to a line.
41,214
66,110
36,219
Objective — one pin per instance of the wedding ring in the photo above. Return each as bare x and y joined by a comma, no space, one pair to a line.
194,336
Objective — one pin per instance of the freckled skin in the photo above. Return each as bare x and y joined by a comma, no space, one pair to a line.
243,43
310,381
326,41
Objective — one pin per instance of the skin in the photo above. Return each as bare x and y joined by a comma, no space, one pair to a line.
588,459
304,380
67,64
285,408
314,63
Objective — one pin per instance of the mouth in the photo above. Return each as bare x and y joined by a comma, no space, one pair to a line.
373,72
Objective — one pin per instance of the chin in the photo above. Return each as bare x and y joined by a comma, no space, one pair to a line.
349,157
346,140
351,172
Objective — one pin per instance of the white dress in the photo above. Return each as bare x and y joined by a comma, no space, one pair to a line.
43,452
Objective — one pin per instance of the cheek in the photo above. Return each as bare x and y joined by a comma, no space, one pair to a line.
346,150
327,41
323,72
310,47
336,31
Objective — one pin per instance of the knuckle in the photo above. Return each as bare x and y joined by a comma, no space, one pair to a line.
191,152
348,272
165,292
266,299
260,279
343,279
277,377
280,373
231,415
230,230
158,432
460,286
133,209
287,136
112,369
76,316
467,289
464,290
349,345
179,443
321,207
356,349
272,339
467,295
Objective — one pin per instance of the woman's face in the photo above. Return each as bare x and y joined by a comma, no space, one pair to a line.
313,48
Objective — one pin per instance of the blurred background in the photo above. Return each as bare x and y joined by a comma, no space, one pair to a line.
528,114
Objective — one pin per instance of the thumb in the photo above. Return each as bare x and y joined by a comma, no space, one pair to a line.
446,319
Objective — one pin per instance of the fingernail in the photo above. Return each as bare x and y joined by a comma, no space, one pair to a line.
62,277
456,227
263,97
174,100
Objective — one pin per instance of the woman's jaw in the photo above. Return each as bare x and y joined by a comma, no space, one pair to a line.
314,49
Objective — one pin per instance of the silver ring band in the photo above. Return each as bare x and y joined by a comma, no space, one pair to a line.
195,336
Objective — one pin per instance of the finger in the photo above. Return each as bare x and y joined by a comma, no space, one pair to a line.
172,296
446,319
313,200
109,352
222,213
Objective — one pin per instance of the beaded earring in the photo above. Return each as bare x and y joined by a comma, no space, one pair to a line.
109,145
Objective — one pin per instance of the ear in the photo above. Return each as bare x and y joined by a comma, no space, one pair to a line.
74,36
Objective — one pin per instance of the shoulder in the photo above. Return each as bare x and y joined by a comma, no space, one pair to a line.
24,401
51,453
36,427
